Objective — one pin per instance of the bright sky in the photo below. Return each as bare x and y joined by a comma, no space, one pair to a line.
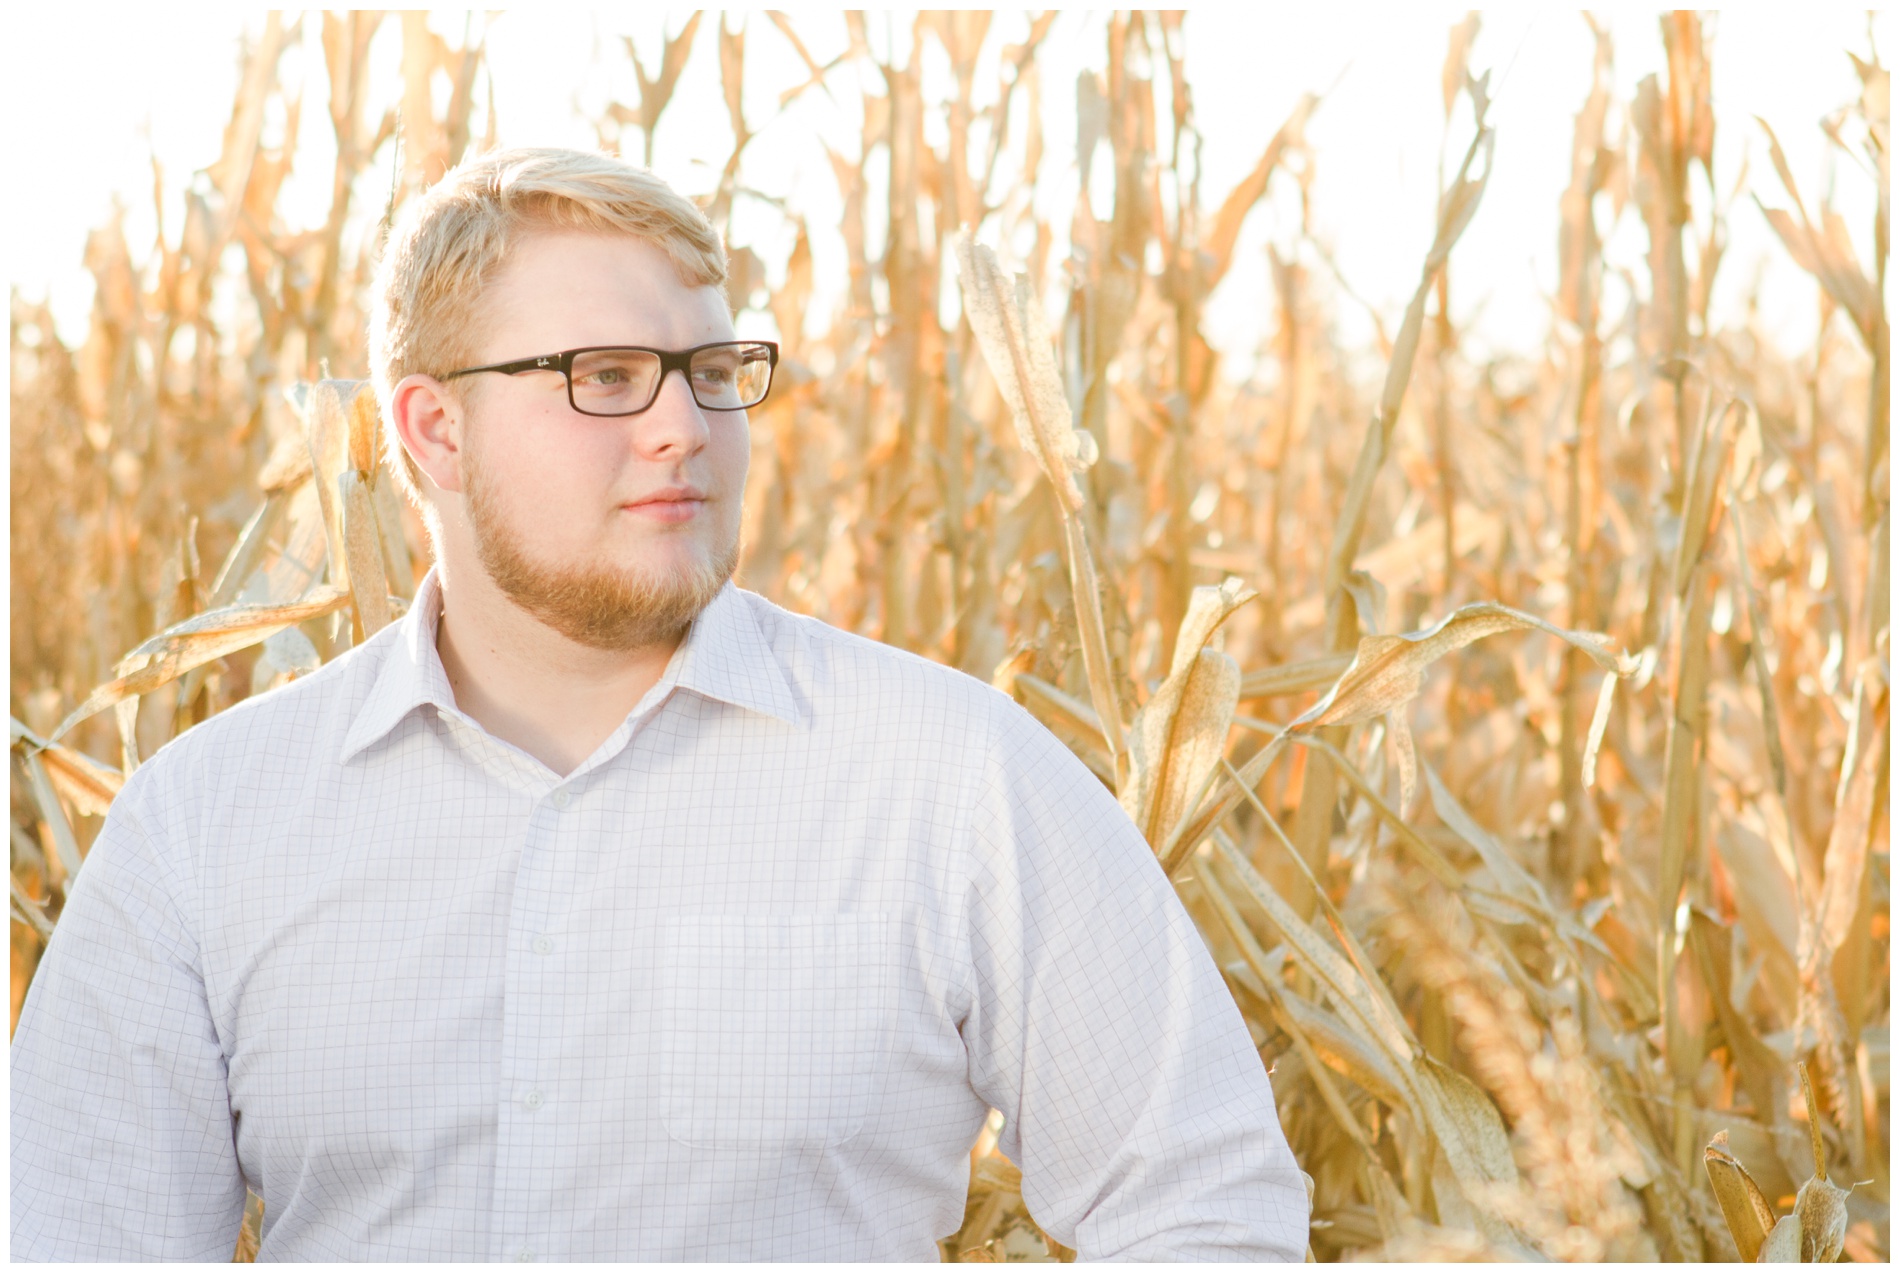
89,100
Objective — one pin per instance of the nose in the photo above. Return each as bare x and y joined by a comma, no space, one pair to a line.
674,427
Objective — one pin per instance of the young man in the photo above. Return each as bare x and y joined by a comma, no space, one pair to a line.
600,909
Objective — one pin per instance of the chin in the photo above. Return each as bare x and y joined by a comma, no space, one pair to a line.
665,564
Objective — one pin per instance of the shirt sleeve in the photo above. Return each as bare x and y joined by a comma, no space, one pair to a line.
122,1136
1136,1105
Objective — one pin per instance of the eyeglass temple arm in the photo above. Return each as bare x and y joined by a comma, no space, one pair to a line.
552,362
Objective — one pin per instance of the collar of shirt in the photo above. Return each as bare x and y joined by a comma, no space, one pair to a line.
724,656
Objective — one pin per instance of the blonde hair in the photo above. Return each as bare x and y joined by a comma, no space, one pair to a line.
447,245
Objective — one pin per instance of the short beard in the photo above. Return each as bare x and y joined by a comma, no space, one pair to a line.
604,608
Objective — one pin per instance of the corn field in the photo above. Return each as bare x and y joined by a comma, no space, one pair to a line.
1514,728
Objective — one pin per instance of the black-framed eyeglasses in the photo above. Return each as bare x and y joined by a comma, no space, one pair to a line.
614,380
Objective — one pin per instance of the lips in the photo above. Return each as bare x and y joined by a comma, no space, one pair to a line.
669,504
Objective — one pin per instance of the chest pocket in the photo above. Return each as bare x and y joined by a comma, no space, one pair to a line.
773,1029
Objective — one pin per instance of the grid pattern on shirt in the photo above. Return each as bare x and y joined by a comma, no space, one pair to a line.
741,986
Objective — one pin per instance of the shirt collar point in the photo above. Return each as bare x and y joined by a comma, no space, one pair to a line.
406,678
729,659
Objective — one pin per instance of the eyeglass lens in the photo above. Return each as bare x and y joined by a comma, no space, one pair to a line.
619,381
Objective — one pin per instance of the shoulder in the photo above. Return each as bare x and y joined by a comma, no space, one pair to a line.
890,694
288,732
832,670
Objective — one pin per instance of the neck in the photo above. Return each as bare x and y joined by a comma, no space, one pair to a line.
530,685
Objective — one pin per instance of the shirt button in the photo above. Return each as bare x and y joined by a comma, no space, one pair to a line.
524,1257
562,798
544,945
533,1099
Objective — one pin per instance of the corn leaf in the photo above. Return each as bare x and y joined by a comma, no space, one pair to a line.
199,640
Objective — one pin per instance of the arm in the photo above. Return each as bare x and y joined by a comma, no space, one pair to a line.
121,1130
1137,1106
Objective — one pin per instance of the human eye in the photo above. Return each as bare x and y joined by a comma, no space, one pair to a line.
716,366
607,379
718,375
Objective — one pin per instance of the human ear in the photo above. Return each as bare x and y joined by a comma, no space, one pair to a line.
428,422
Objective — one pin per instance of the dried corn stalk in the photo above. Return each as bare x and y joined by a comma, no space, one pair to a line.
1020,350
1813,1233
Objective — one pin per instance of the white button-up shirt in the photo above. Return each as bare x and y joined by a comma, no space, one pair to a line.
743,985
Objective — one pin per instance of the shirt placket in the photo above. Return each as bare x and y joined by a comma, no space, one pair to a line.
537,1103
533,1099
